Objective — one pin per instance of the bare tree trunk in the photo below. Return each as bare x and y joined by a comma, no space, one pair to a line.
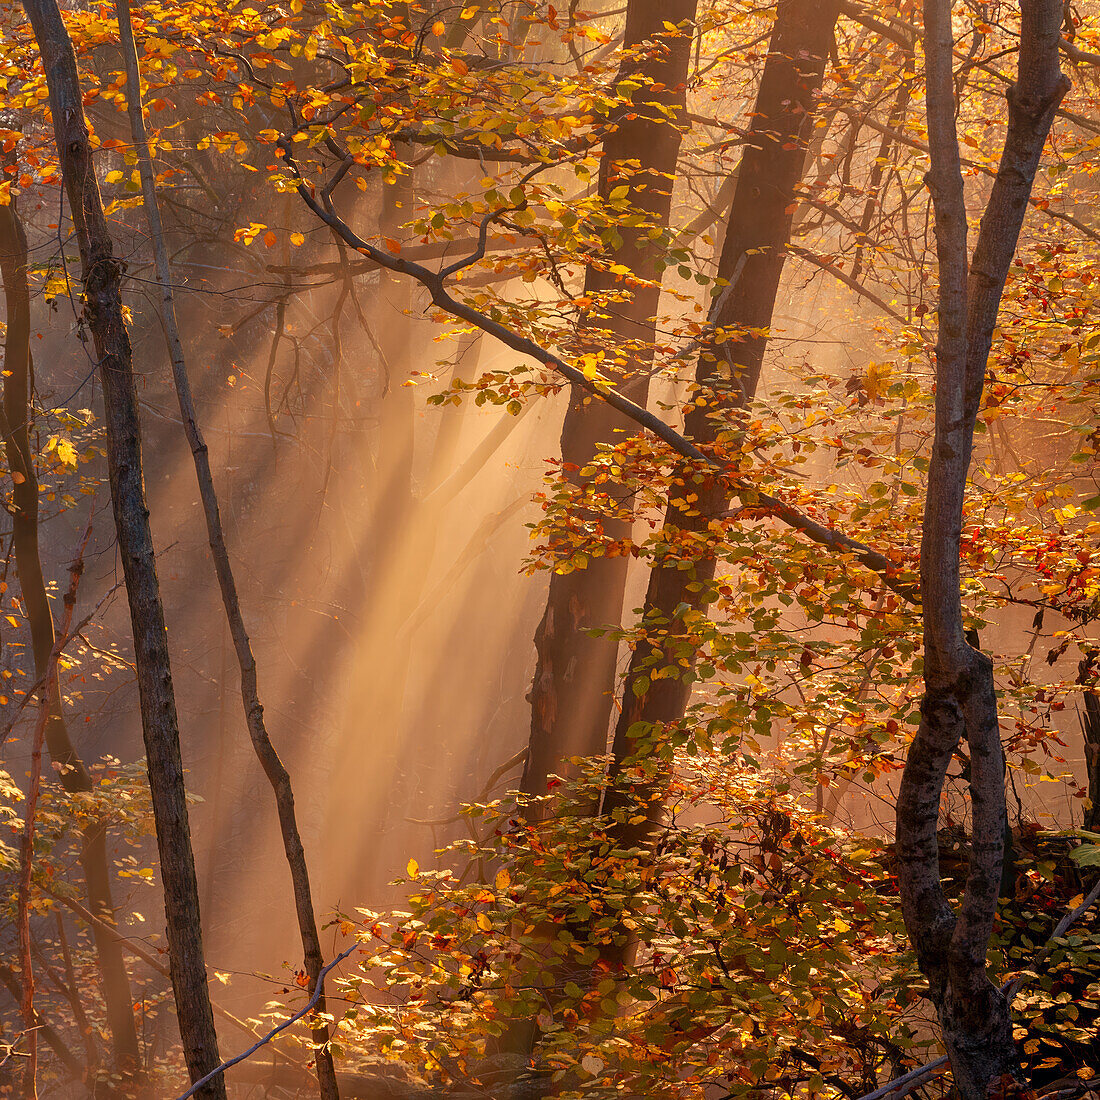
15,418
1090,727
574,681
276,773
959,699
753,254
26,848
160,725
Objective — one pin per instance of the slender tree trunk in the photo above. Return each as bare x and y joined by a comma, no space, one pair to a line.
276,773
572,691
959,699
26,848
160,725
1090,727
753,254
15,418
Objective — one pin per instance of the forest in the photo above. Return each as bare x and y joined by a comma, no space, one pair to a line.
550,551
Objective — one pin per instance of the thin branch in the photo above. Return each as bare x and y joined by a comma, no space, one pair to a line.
433,282
317,994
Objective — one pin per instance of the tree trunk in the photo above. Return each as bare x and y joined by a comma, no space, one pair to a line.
574,681
26,848
1090,727
753,254
266,753
15,421
160,727
959,698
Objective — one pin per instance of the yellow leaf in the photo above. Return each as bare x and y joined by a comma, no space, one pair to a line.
438,28
12,619
413,868
297,239
504,880
112,177
484,923
66,452
840,925
590,367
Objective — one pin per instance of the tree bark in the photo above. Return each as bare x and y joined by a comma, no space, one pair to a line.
266,753
572,691
15,419
753,254
1090,727
102,275
959,699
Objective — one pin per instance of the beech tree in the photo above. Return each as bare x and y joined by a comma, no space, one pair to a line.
960,700
574,682
754,251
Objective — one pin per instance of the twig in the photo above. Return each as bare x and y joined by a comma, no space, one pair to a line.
490,783
909,1081
78,632
275,1031
139,952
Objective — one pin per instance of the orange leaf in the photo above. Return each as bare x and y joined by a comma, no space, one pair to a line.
269,238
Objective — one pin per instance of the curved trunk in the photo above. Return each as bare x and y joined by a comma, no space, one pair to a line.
960,699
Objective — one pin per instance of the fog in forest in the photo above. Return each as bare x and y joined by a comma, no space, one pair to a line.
395,505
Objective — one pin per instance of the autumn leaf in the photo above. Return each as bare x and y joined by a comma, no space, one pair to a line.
66,453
